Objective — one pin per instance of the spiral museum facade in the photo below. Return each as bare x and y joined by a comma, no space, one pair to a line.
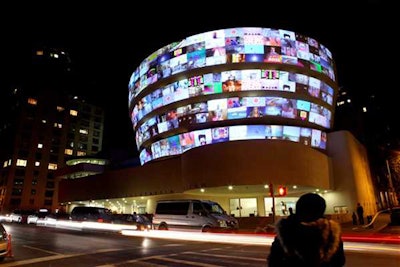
224,114
229,85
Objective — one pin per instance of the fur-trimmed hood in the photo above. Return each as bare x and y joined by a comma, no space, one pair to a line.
317,240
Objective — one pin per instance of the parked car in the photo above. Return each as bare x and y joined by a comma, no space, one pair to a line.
52,218
91,214
33,218
21,216
140,220
192,214
5,218
4,246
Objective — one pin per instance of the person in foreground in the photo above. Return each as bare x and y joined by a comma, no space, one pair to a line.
306,238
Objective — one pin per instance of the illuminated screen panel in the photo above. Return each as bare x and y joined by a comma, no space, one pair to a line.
293,80
234,108
233,81
181,143
234,45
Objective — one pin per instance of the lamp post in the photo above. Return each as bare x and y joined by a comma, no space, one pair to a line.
271,192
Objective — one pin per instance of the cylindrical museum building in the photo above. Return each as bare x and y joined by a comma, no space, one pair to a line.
234,116
244,109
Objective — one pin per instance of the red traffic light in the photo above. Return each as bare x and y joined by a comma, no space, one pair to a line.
282,191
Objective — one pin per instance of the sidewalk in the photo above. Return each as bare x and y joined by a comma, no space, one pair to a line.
379,224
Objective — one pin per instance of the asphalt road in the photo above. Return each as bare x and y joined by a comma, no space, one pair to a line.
43,246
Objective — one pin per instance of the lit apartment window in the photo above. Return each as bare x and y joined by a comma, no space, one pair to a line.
39,52
21,162
44,121
37,163
68,151
9,162
32,101
52,166
60,108
81,153
39,145
57,125
73,112
5,164
83,131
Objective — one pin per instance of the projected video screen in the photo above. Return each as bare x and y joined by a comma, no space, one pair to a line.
230,109
285,89
177,144
236,45
233,81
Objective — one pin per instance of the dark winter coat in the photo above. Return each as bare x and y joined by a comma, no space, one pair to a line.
316,243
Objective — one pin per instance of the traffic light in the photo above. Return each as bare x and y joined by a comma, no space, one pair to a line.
282,190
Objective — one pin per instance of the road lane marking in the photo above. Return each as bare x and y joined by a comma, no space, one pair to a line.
139,263
56,257
173,245
225,256
187,262
157,257
37,260
43,250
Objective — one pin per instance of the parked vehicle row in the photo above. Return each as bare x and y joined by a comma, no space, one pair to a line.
188,214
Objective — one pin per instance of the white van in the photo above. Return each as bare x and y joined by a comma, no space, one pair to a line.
192,214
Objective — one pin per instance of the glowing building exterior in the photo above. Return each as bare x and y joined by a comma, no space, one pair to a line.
225,114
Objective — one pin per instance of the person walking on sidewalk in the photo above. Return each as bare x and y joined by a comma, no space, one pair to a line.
360,214
354,217
307,238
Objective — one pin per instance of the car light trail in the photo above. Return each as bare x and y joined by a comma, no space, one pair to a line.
351,242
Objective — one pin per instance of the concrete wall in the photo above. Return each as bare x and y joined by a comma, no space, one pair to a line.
350,166
255,162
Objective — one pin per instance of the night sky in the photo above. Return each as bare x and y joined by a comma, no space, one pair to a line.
106,43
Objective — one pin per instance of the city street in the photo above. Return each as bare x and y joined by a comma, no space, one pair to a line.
44,246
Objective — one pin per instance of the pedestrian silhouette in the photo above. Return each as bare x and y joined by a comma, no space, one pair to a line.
360,213
307,238
354,217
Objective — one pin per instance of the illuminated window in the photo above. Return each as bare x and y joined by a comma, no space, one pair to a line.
81,153
40,145
44,121
57,125
60,108
37,163
39,52
52,166
68,151
5,164
73,112
364,109
83,131
21,162
32,101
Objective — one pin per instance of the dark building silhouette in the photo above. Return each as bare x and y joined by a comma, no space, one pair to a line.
42,125
371,117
